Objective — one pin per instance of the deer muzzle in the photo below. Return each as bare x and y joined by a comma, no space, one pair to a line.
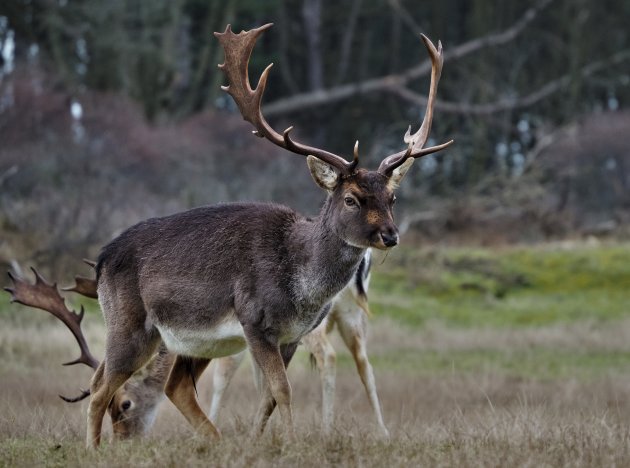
389,237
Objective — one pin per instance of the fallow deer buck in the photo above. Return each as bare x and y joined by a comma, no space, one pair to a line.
212,280
134,406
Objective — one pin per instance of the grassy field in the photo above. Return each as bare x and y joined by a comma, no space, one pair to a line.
512,287
517,356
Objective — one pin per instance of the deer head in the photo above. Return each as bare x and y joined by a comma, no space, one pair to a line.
360,202
134,406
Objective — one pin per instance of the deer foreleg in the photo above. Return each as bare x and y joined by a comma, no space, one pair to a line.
272,361
102,391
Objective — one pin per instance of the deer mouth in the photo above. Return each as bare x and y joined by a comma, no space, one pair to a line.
380,245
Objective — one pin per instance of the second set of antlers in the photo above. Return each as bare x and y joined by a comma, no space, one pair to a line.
45,296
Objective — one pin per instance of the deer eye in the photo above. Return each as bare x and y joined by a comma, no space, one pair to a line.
125,405
349,201
393,200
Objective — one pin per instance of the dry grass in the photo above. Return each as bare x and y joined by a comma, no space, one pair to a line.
442,416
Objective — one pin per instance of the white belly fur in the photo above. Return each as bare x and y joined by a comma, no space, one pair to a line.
223,339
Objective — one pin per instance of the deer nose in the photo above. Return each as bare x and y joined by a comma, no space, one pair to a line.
390,238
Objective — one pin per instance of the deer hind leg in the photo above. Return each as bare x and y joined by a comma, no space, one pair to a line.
272,361
224,371
319,346
353,330
180,389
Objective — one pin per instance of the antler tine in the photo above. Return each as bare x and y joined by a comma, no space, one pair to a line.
45,296
416,142
238,49
85,286
84,394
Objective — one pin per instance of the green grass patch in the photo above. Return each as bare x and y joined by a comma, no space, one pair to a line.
537,363
523,286
472,287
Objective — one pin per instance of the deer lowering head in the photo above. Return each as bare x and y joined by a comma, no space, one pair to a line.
134,405
360,204
213,280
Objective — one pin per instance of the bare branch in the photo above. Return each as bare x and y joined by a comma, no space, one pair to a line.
389,82
514,103
10,172
406,17
493,39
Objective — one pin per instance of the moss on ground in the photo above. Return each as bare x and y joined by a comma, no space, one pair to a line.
519,286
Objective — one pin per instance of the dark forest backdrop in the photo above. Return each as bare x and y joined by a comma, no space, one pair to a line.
111,112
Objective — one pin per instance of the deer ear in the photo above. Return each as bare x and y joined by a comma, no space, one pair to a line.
323,174
399,173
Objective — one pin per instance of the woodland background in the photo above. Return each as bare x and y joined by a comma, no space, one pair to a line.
500,333
111,112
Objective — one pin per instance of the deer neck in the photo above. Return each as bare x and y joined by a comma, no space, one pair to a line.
160,369
328,262
154,375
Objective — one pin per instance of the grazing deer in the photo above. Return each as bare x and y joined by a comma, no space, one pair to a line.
134,406
349,312
213,280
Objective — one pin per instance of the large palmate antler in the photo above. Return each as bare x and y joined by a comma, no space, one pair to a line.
45,296
416,142
238,49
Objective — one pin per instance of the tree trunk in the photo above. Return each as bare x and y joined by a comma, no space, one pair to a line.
312,17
